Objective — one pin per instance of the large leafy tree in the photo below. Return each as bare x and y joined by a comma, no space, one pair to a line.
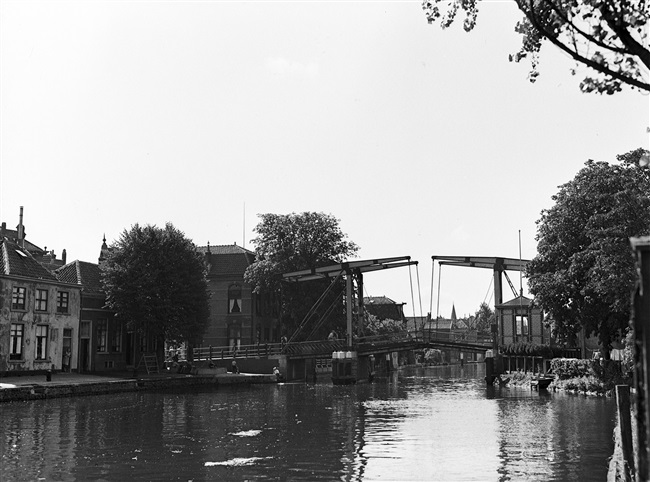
584,271
608,36
155,280
293,242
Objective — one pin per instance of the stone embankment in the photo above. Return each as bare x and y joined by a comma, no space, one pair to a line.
72,384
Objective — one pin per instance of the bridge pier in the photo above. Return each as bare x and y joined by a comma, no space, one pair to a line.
493,367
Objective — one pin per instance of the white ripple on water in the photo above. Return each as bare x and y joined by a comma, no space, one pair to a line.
247,433
237,461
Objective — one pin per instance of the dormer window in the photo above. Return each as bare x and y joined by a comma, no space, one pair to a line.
234,299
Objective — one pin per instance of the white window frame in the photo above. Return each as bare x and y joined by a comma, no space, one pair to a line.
41,335
16,340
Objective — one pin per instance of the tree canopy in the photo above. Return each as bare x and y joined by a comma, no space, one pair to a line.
584,270
293,242
608,36
484,318
154,279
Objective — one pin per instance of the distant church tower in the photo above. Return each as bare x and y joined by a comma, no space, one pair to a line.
453,313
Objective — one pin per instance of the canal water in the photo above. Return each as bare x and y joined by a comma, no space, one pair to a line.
439,423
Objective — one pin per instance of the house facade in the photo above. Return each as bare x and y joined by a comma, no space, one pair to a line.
237,315
39,314
384,308
104,342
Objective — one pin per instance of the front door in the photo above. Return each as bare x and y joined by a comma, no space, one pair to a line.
85,359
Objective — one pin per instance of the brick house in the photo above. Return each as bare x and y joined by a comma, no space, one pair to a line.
104,342
237,315
384,308
39,314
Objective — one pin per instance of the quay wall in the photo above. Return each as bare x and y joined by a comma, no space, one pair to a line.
40,391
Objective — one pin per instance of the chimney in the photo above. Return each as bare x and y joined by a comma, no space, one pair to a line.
21,230
4,230
64,255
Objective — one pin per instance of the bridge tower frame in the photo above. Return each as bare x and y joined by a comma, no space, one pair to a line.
352,270
498,265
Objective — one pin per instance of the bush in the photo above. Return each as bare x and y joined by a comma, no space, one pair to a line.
582,384
587,375
565,368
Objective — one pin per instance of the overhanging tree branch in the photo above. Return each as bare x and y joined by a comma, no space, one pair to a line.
529,12
630,42
588,37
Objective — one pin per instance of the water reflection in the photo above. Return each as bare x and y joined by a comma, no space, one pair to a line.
419,424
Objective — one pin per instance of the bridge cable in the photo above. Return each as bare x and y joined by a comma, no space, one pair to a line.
412,298
489,288
417,273
325,315
438,305
313,309
433,266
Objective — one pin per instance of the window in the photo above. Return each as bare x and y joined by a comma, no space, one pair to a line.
521,323
18,298
102,335
62,301
41,300
234,299
116,340
16,341
41,342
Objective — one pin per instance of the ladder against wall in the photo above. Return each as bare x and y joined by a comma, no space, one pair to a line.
150,362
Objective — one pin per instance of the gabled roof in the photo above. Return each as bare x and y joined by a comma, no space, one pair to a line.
460,325
227,260
82,273
17,261
12,235
378,300
518,301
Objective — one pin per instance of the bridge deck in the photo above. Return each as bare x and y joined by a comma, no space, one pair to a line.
372,345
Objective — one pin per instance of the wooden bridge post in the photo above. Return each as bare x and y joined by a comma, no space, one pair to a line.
348,294
625,428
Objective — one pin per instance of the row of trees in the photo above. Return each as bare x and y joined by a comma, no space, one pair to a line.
582,275
155,278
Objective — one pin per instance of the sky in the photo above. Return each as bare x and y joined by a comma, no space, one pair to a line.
421,141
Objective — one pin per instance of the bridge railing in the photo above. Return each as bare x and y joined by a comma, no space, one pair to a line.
242,351
316,347
306,348
326,347
446,335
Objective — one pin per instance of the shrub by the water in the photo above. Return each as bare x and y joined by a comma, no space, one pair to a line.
586,375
